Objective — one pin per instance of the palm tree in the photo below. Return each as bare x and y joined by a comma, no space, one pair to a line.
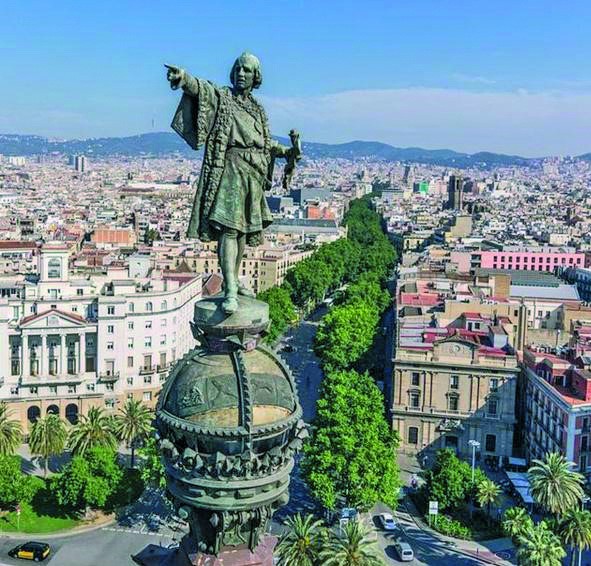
48,437
300,544
554,485
539,546
575,530
487,493
11,432
351,547
93,429
133,424
517,522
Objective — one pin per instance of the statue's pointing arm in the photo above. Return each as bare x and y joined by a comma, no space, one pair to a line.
197,109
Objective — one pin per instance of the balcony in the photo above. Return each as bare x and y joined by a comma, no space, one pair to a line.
146,370
163,367
109,376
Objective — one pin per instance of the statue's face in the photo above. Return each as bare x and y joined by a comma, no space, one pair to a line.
244,75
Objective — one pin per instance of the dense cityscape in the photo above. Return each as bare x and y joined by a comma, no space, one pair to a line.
295,283
470,324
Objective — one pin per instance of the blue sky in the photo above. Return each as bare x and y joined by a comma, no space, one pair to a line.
508,76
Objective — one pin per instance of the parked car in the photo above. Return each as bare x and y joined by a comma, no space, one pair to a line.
404,551
387,521
37,551
288,348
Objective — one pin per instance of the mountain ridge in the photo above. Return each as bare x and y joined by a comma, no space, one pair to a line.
165,143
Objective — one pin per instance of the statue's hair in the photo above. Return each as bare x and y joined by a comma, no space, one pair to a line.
258,75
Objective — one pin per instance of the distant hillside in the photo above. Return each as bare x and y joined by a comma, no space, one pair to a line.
166,143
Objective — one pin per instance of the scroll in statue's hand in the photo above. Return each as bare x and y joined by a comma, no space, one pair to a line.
175,76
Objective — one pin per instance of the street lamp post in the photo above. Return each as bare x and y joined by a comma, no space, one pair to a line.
474,444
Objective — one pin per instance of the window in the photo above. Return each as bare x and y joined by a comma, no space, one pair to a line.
148,324
453,402
413,435
415,400
131,307
494,384
163,322
148,342
415,378
33,390
54,268
15,312
163,339
111,310
129,361
130,342
110,403
79,292
53,389
454,381
130,380
14,390
110,345
130,325
492,407
164,306
110,329
149,306
490,443
109,387
71,389
147,379
90,386
147,396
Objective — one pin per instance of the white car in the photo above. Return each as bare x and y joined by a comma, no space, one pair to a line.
387,521
404,551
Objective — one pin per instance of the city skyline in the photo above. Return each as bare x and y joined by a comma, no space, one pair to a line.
500,78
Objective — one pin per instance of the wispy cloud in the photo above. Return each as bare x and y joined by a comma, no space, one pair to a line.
460,77
521,122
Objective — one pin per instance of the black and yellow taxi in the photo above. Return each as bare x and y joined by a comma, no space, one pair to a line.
36,551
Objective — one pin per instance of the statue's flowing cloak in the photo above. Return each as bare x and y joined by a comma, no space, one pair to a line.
204,116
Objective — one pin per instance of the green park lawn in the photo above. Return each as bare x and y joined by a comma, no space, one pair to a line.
39,517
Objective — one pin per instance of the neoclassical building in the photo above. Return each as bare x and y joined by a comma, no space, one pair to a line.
69,342
451,385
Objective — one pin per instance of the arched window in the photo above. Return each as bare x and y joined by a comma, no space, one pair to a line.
72,413
53,410
149,306
33,413
413,435
54,268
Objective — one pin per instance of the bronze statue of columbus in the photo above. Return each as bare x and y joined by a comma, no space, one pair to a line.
230,204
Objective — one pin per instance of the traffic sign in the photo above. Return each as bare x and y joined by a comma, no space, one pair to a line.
433,507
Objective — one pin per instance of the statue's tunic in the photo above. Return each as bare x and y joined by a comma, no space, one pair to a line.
237,163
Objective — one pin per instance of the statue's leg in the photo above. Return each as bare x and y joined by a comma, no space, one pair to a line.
242,290
228,254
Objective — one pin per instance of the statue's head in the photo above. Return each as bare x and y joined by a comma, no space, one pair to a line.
246,72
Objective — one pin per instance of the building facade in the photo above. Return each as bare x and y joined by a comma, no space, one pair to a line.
69,343
450,387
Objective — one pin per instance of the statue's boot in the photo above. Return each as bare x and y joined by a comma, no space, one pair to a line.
245,291
230,304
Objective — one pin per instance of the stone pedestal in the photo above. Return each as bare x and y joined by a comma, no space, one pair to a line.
186,555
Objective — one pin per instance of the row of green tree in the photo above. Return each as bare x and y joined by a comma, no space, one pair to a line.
351,456
366,250
51,435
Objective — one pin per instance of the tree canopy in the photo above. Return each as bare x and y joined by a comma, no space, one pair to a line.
352,450
89,480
